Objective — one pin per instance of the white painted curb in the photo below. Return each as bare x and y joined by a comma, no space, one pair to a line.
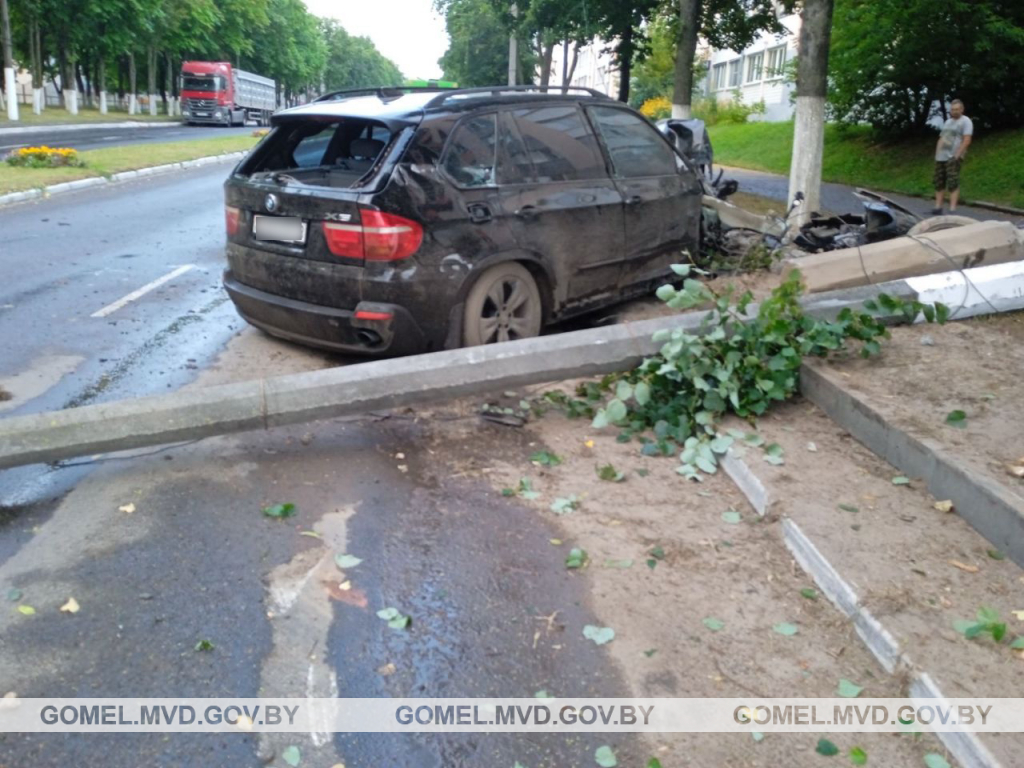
96,181
967,748
21,130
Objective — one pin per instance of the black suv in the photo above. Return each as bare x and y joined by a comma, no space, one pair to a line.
393,221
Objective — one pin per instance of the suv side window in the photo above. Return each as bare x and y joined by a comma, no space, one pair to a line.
557,145
634,145
472,152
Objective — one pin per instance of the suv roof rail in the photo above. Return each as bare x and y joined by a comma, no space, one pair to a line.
382,91
494,90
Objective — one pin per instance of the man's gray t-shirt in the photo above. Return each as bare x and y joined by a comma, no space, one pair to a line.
952,136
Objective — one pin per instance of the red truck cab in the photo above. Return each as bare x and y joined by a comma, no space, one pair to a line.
215,92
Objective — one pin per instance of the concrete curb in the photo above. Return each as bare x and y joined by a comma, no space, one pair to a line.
97,181
967,748
72,127
992,510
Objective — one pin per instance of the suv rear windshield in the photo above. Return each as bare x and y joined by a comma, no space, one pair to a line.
333,153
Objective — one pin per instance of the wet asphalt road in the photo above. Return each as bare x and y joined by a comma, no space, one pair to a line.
99,138
196,560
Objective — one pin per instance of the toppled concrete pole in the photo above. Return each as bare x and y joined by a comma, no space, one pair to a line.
981,244
329,393
381,384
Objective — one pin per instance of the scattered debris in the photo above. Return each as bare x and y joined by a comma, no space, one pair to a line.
204,645
964,566
848,689
344,562
394,618
386,670
605,758
277,511
71,606
714,624
126,508
599,635
944,506
26,610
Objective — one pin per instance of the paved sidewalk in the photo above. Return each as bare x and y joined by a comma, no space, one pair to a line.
839,198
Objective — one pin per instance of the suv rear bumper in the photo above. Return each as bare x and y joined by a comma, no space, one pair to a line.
337,330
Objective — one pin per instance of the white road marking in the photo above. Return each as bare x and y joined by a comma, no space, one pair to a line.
110,138
13,146
111,308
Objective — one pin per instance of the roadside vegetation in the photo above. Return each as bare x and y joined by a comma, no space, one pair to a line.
107,161
993,171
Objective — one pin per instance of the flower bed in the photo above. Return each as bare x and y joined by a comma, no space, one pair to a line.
45,157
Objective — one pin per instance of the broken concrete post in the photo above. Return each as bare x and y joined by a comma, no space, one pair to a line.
987,242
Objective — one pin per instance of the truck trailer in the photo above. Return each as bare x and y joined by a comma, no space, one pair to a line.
218,93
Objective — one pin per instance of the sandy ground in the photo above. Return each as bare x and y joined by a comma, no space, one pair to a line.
918,569
929,371
704,568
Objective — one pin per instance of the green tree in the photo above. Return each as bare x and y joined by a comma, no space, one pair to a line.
653,74
733,24
354,62
895,63
477,43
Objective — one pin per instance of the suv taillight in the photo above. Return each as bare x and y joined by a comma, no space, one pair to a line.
231,219
380,237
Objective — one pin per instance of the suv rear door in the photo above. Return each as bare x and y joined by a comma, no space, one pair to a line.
553,179
662,196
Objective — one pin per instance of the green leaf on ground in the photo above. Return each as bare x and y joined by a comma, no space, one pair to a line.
14,594
600,635
508,492
577,558
204,645
849,689
713,624
542,694
605,758
279,511
658,553
26,610
291,755
901,480
1017,644
565,505
957,419
654,763
810,594
826,748
848,508
995,554
346,561
546,459
757,736
395,618
525,489
609,473
650,652
933,760
858,756
786,629
965,627
732,517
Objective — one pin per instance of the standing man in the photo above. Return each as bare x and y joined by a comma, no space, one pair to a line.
954,139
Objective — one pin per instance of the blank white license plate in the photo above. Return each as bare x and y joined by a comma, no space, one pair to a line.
284,229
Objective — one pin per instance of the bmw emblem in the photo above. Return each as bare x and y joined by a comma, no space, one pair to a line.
270,203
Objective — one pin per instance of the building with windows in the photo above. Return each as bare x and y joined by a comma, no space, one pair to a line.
757,73
595,68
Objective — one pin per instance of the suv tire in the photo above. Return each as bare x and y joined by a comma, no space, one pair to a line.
504,304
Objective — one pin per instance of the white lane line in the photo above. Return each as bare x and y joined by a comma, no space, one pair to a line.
111,308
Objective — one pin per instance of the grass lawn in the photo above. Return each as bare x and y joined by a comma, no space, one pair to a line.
993,172
58,116
103,162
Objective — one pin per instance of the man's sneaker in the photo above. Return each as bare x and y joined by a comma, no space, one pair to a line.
936,211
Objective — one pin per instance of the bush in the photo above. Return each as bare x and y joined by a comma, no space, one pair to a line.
658,108
45,157
712,111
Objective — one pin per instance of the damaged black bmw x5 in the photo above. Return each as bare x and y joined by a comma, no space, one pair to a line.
389,221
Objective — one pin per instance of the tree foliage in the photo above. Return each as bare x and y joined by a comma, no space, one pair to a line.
895,63
279,39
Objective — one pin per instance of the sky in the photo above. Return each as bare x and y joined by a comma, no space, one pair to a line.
408,32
